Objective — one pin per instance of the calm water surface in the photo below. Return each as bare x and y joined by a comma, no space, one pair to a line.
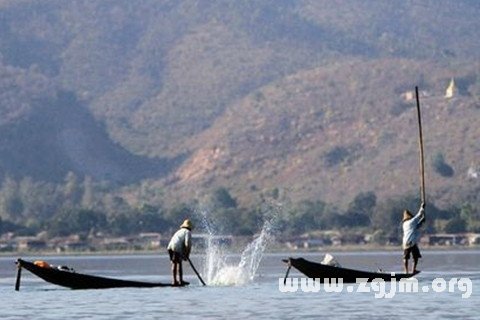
258,299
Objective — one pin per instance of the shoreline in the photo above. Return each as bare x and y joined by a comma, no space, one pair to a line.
234,251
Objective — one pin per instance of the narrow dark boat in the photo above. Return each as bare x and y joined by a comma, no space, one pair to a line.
321,272
70,279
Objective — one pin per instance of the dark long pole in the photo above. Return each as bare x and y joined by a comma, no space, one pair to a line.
286,274
19,275
196,272
420,142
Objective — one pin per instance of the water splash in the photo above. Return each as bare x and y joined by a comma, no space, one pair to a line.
222,272
226,274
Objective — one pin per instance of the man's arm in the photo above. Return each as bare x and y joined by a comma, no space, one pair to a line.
420,216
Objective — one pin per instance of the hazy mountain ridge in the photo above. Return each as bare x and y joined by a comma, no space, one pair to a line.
304,95
292,129
60,137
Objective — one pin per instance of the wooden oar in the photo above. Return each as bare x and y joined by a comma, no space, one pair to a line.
420,142
196,272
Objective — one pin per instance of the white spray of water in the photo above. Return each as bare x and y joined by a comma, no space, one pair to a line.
227,274
221,272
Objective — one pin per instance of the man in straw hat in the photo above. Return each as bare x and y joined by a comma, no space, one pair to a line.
179,249
411,225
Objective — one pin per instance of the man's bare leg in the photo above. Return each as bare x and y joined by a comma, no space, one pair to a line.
180,272
405,265
415,261
174,273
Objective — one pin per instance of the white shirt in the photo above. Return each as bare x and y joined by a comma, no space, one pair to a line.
181,241
410,229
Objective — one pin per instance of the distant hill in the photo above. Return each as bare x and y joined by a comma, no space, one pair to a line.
188,96
61,136
333,132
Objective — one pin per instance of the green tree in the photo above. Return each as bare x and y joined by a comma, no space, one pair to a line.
150,219
120,224
306,216
336,155
442,167
88,198
71,189
471,216
223,199
248,223
76,221
14,207
11,206
115,205
40,199
331,218
361,209
456,225
180,212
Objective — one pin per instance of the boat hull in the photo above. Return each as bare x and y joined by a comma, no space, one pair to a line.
321,272
75,280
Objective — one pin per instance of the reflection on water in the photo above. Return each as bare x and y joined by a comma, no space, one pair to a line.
259,298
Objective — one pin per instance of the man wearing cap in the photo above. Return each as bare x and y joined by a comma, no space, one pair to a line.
179,249
411,225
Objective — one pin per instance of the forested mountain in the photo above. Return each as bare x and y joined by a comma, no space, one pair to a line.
180,98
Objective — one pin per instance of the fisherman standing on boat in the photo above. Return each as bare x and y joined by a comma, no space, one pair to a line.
179,249
411,225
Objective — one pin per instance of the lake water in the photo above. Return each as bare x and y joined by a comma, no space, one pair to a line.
259,298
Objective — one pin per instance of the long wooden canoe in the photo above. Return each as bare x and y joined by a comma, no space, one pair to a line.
74,280
321,272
